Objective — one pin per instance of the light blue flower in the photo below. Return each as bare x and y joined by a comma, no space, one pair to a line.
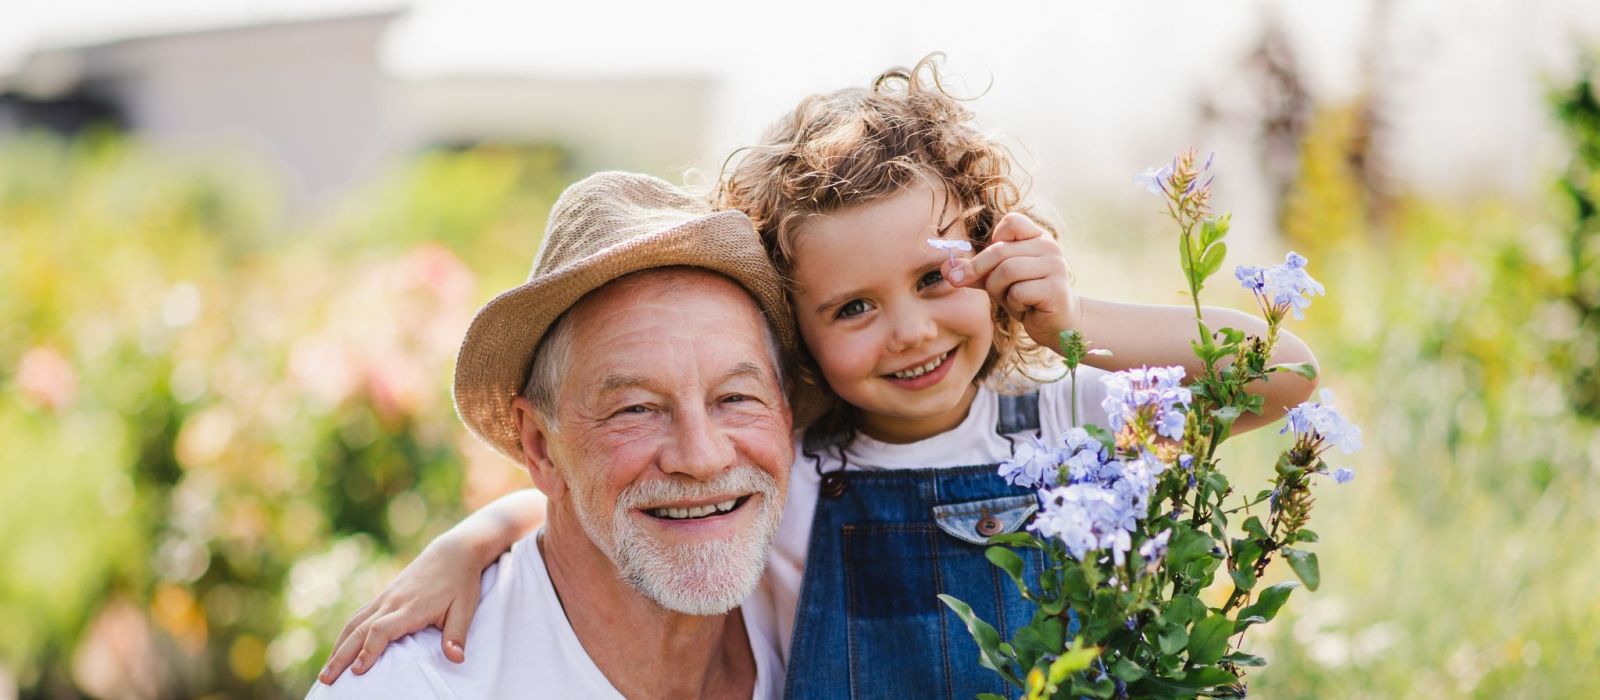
1323,424
1155,547
1033,465
1286,287
1152,394
1153,177
1100,512
1343,475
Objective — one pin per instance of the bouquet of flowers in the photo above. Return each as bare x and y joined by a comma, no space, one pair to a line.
1134,521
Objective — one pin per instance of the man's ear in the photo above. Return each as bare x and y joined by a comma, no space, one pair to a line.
536,457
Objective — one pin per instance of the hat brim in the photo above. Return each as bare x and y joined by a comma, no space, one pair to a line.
497,353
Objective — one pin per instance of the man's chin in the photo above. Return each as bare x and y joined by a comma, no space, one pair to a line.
698,567
709,578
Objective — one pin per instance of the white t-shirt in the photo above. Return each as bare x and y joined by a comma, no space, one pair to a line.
522,645
974,441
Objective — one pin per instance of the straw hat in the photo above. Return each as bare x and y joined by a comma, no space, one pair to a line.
603,227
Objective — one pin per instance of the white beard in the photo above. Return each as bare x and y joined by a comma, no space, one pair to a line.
707,578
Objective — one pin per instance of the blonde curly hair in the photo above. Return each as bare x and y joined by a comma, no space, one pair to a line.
860,145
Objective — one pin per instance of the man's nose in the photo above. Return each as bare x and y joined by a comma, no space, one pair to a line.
698,448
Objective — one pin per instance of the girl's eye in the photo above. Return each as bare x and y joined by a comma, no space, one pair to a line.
932,277
854,307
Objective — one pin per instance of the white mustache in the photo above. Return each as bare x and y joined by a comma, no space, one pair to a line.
737,481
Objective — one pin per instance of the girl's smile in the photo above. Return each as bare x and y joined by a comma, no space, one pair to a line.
891,337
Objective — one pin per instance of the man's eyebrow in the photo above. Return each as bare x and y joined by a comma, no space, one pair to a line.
747,369
616,382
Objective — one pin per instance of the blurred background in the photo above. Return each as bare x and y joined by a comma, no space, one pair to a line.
239,245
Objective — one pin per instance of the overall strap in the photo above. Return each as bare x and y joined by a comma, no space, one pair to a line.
1018,414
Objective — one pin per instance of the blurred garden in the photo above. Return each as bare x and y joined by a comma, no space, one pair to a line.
225,428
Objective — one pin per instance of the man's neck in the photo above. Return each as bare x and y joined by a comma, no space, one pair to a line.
644,650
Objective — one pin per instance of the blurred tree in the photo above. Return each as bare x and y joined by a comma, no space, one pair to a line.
222,430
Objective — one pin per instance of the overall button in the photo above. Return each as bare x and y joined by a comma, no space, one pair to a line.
989,526
832,485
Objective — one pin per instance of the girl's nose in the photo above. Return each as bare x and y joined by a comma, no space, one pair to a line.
911,329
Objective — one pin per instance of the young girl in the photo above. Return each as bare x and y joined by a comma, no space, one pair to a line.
916,352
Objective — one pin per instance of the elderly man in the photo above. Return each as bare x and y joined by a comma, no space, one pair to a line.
646,347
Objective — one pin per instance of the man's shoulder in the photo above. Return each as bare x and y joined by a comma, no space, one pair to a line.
399,673
415,666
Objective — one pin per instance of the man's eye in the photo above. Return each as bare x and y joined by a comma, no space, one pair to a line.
854,307
736,398
932,277
636,409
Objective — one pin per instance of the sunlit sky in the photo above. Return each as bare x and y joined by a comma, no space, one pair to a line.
1090,90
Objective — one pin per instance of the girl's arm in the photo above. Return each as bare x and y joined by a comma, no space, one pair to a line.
1145,334
1023,270
439,588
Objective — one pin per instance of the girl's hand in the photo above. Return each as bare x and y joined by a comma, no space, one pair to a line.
1025,273
439,588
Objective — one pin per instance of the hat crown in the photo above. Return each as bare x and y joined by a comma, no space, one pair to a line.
608,209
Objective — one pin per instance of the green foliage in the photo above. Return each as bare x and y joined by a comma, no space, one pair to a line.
222,428
1463,570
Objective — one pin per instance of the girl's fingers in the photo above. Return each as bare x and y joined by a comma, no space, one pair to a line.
1016,227
384,630
1032,297
1010,283
975,271
456,622
344,652
356,620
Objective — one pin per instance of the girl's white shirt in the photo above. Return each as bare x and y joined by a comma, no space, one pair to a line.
974,441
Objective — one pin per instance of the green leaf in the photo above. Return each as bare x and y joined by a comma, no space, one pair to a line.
987,638
990,696
1208,677
1305,566
1253,402
1216,482
1172,639
1267,603
1226,415
1305,536
1209,640
1240,658
1009,562
1244,578
1184,609
1253,525
1212,230
1040,637
1127,670
1015,539
1071,662
1211,260
1246,552
1304,369
1189,546
1101,434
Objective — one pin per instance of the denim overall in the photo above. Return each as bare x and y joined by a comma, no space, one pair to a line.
884,543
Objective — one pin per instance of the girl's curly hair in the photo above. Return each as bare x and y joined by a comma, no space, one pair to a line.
860,145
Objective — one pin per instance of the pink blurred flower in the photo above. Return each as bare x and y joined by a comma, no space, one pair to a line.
46,378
